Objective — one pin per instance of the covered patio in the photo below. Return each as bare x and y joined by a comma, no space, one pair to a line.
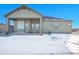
25,20
26,25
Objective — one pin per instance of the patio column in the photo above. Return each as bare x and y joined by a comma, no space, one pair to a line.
30,26
7,24
40,25
14,25
24,25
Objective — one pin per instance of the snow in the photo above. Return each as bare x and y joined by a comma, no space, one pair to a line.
59,43
35,44
73,44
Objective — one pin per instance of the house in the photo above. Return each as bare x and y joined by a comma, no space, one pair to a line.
30,21
2,28
75,31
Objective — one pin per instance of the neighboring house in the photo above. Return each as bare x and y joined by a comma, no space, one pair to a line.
2,28
75,31
28,20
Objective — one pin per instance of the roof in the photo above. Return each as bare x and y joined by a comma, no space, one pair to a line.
22,7
49,17
44,17
54,18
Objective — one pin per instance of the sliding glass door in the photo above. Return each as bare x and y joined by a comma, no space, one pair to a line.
36,27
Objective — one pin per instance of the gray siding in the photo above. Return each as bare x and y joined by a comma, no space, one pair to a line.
24,13
56,27
65,27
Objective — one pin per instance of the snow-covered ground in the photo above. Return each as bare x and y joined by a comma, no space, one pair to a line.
35,44
73,44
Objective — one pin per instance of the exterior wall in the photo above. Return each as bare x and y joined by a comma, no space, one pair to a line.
24,13
57,27
48,26
65,27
